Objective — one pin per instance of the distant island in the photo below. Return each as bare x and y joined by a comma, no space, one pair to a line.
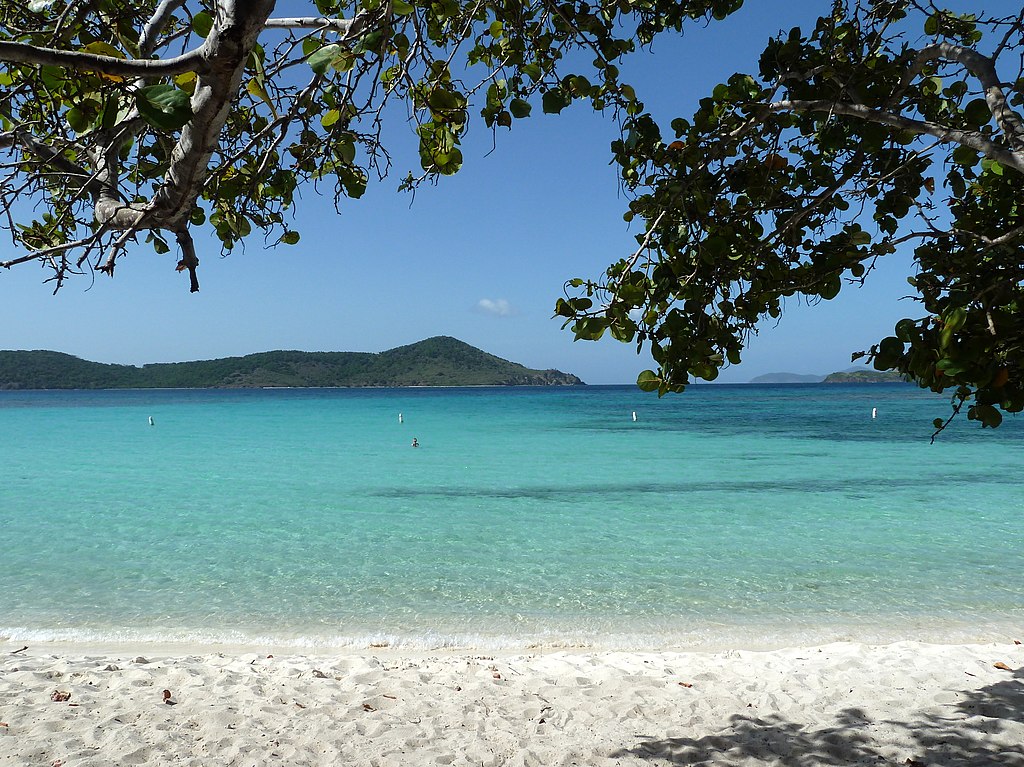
774,378
864,376
852,375
438,361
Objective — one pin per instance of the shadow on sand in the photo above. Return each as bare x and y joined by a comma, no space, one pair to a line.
967,735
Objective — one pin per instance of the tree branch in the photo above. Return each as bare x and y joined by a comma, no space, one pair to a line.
335,25
984,69
20,53
46,154
977,141
229,46
156,24
189,260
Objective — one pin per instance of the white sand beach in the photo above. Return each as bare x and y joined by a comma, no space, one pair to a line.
840,704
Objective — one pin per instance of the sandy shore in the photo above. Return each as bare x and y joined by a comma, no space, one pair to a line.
840,704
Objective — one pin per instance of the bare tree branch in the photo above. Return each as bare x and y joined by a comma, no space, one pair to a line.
20,53
342,26
189,260
156,24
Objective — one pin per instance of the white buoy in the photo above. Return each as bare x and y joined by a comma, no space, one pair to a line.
151,420
400,418
634,415
874,412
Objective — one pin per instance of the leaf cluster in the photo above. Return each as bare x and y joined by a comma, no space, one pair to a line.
308,108
848,144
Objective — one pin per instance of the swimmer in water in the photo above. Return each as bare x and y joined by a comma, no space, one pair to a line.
415,442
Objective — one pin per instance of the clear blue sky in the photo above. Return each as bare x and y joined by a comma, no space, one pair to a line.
482,256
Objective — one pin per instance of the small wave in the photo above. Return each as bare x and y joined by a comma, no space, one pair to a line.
706,638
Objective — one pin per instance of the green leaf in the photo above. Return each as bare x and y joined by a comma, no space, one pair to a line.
714,248
79,121
255,88
164,106
344,61
101,48
553,102
830,289
563,308
590,328
581,304
368,42
964,155
330,118
354,182
159,243
202,23
290,237
949,367
992,166
321,59
401,8
441,100
624,332
955,318
889,351
520,108
905,329
53,77
890,346
987,414
532,71
952,321
977,112
648,380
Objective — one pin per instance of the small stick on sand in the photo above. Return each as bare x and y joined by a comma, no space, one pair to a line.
20,650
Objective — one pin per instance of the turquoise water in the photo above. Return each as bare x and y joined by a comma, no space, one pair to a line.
762,514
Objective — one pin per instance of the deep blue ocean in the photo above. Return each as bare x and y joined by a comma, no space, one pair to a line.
753,515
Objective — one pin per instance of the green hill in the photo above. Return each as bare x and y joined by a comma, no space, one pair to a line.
439,361
864,376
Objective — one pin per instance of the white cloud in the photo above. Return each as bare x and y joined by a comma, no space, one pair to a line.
498,307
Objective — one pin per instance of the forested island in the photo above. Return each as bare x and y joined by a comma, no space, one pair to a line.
844,376
864,376
438,361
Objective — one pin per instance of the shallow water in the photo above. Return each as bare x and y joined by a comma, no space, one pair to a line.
767,514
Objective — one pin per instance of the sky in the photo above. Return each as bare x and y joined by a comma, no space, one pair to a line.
481,256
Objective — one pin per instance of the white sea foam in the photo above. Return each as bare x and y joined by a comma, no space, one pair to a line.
716,638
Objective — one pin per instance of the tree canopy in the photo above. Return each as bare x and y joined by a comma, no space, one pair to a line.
890,124
124,118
